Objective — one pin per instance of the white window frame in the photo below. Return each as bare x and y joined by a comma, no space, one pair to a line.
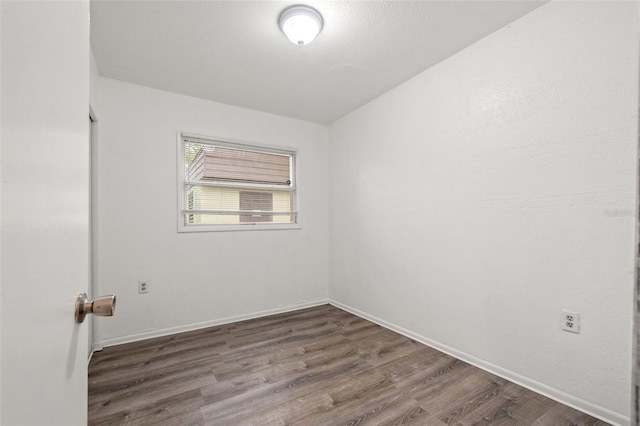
182,227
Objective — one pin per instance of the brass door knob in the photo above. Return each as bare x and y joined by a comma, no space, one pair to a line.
103,306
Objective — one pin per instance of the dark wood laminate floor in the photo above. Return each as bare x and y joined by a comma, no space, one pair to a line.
317,366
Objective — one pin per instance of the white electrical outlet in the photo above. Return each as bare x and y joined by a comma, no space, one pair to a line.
571,321
143,287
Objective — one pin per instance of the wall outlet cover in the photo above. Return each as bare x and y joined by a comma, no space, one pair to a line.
570,321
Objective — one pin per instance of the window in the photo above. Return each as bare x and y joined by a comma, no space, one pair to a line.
227,186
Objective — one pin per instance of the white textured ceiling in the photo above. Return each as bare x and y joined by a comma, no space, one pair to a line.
233,51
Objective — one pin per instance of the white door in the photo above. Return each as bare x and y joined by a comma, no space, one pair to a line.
44,211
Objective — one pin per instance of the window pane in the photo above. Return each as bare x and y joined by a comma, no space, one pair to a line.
214,163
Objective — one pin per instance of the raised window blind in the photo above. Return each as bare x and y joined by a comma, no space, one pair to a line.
227,184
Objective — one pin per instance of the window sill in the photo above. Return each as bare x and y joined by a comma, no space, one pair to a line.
247,227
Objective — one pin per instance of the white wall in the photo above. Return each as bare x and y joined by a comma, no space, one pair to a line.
45,211
197,279
469,205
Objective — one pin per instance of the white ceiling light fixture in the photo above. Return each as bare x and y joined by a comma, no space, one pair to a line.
301,24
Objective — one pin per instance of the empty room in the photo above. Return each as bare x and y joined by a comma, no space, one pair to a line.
319,213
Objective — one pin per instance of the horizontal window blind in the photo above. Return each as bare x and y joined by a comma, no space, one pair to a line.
229,183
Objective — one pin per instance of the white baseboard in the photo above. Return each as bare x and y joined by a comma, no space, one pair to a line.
555,394
220,321
95,347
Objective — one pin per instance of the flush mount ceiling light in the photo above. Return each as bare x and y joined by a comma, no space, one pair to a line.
301,24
